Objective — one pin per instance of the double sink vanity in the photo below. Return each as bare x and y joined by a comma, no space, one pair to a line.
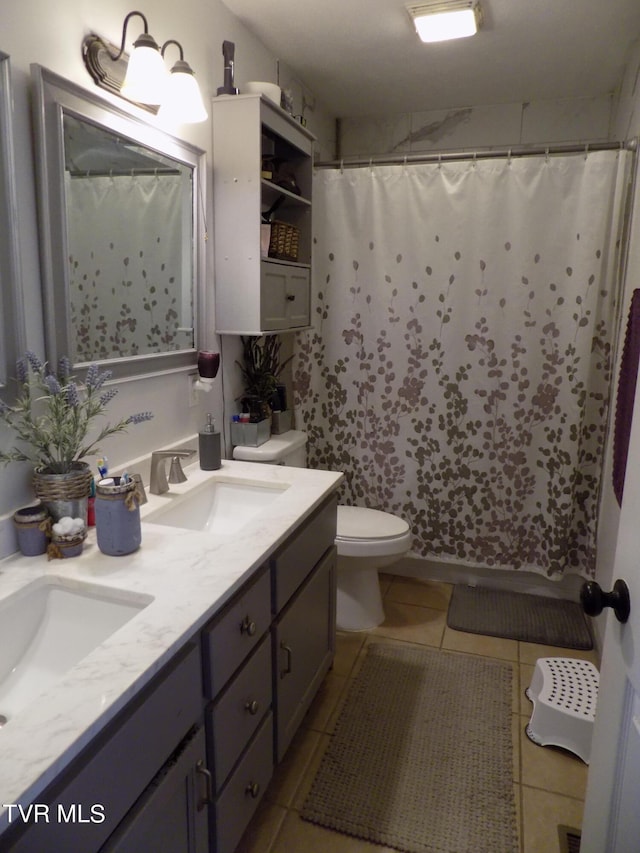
145,700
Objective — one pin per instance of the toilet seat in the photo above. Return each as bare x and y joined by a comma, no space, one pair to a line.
364,532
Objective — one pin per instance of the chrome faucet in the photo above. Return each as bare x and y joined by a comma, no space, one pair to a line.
158,483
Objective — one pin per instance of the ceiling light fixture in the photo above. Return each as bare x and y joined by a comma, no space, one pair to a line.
146,80
442,20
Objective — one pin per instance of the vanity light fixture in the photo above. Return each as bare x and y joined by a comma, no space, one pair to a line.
182,99
146,80
442,20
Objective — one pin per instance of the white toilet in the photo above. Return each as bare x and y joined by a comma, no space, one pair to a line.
367,539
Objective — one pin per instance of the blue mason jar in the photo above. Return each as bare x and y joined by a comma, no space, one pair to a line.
117,510
32,524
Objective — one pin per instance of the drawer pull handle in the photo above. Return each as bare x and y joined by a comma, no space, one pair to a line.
291,297
287,669
248,627
207,800
252,707
253,790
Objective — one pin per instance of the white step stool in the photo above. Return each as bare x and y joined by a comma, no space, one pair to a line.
564,692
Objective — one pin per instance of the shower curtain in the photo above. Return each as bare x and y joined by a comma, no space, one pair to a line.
459,369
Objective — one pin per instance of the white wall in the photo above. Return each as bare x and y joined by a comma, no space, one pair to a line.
51,34
491,126
615,116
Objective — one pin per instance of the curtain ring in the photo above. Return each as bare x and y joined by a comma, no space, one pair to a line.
546,154
475,159
341,167
586,150
509,157
439,161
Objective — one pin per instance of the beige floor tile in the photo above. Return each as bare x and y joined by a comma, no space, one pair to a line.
541,814
526,674
348,647
312,768
323,707
300,836
419,592
515,733
263,829
480,644
412,624
551,768
530,652
294,768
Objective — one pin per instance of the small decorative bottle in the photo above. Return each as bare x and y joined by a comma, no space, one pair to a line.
209,445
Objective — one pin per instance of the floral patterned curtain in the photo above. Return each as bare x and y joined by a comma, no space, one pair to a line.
460,365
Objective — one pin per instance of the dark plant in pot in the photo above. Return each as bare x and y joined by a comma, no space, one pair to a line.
53,419
261,369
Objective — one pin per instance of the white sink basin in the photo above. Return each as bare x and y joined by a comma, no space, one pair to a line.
220,506
49,626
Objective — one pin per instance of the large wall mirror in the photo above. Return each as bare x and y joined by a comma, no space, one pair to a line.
11,317
121,236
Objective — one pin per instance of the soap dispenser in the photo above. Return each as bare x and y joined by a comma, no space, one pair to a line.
209,445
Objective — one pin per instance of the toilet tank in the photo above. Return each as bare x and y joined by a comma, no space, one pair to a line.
289,448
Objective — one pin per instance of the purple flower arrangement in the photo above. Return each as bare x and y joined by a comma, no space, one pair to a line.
54,413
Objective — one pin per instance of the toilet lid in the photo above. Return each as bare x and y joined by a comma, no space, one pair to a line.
355,522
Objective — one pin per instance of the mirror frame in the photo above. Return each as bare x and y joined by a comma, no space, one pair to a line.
11,307
55,96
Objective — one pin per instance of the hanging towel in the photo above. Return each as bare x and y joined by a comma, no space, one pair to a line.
626,395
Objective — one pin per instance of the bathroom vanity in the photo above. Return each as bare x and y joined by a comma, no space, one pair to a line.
168,732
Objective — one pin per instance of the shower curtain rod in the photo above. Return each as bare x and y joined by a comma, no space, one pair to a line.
480,154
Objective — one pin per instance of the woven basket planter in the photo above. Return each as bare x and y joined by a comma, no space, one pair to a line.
64,494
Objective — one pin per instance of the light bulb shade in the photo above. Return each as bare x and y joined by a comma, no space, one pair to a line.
182,102
446,19
146,78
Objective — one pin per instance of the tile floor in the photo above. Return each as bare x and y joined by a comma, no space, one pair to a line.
549,783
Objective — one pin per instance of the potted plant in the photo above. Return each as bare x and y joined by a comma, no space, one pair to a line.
261,369
52,419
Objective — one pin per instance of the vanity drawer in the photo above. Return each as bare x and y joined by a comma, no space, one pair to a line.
237,713
234,633
292,565
244,790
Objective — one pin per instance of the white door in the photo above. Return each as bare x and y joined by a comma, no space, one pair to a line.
611,822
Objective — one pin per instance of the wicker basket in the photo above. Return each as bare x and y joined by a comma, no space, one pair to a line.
283,244
64,494
72,485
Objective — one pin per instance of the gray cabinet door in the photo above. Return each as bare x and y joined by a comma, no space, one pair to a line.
304,644
172,814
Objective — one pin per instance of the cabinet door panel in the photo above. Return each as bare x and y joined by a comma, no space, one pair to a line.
292,564
170,817
298,308
284,296
304,640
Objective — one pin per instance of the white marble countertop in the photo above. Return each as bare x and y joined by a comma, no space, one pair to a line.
189,575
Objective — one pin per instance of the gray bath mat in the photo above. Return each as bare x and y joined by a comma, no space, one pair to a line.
519,616
421,756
